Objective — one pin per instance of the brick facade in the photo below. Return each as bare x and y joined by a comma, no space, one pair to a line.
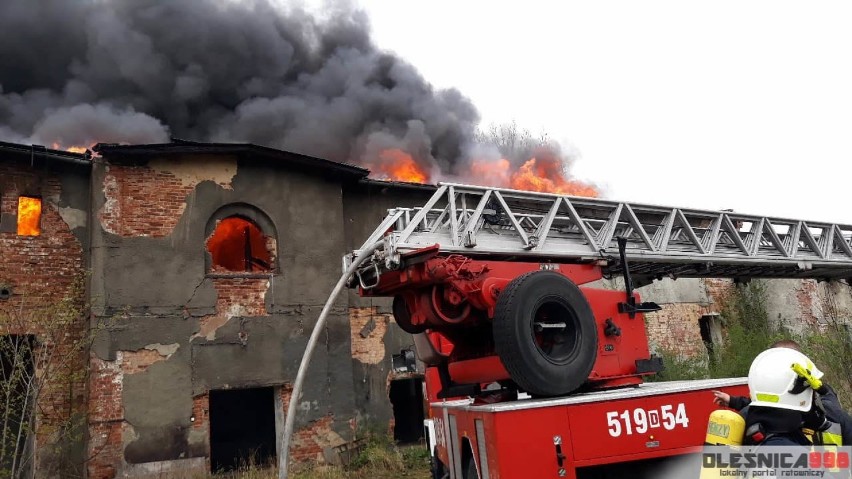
367,331
675,329
149,201
142,201
44,273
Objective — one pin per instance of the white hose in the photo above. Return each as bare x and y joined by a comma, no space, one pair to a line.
284,453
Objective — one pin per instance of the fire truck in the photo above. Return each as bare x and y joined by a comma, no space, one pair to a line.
532,368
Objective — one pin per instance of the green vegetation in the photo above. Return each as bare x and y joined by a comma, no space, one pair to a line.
380,458
748,331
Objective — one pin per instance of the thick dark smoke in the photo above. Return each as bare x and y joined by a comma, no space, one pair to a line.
82,71
78,72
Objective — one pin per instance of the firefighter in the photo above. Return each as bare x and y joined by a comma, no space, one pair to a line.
826,408
780,398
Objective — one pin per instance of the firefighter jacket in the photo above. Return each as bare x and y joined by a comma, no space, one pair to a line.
833,412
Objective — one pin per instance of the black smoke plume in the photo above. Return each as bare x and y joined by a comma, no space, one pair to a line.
76,72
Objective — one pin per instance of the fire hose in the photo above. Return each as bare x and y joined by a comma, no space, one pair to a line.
284,453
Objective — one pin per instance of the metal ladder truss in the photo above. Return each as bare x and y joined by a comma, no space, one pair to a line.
661,241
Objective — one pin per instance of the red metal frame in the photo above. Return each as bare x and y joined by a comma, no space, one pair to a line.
519,442
452,294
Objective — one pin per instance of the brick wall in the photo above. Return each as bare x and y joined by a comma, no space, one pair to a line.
149,200
45,274
236,296
367,331
141,201
675,329
808,299
718,291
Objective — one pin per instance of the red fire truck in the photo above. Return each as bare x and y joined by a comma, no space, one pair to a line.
533,369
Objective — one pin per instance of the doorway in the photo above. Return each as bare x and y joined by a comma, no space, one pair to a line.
242,428
406,396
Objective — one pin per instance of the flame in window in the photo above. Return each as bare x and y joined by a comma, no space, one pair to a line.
29,216
239,245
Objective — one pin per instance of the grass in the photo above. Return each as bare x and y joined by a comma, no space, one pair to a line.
380,459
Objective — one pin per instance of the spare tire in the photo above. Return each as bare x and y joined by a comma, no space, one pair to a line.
545,333
402,316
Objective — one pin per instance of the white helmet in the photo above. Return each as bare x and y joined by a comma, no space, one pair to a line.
773,383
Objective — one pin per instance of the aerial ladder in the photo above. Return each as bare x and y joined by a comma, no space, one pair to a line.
532,368
491,280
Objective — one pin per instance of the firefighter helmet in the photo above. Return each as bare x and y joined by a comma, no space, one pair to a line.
773,383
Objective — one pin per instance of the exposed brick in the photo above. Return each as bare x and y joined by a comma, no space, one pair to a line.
236,297
309,442
133,362
106,447
807,297
141,201
369,350
675,328
719,290
149,200
44,272
201,411
105,388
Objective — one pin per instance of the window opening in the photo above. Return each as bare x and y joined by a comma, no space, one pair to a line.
242,428
29,216
238,244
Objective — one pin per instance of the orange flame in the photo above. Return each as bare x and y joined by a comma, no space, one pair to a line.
29,214
72,149
397,165
545,175
228,248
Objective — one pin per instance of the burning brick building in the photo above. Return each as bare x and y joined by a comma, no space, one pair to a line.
208,266
203,268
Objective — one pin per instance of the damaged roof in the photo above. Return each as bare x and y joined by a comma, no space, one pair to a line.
38,153
240,150
400,184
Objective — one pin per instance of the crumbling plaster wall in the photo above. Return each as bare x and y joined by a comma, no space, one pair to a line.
797,304
40,271
221,332
365,206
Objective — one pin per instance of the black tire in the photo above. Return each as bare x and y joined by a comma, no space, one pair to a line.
470,470
402,316
555,361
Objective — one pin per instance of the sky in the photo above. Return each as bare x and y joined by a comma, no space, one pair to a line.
744,105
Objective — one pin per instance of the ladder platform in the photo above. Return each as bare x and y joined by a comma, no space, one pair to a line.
661,241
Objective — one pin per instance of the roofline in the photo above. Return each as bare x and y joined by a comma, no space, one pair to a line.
177,147
400,184
39,151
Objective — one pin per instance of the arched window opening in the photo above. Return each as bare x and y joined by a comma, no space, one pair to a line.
238,245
